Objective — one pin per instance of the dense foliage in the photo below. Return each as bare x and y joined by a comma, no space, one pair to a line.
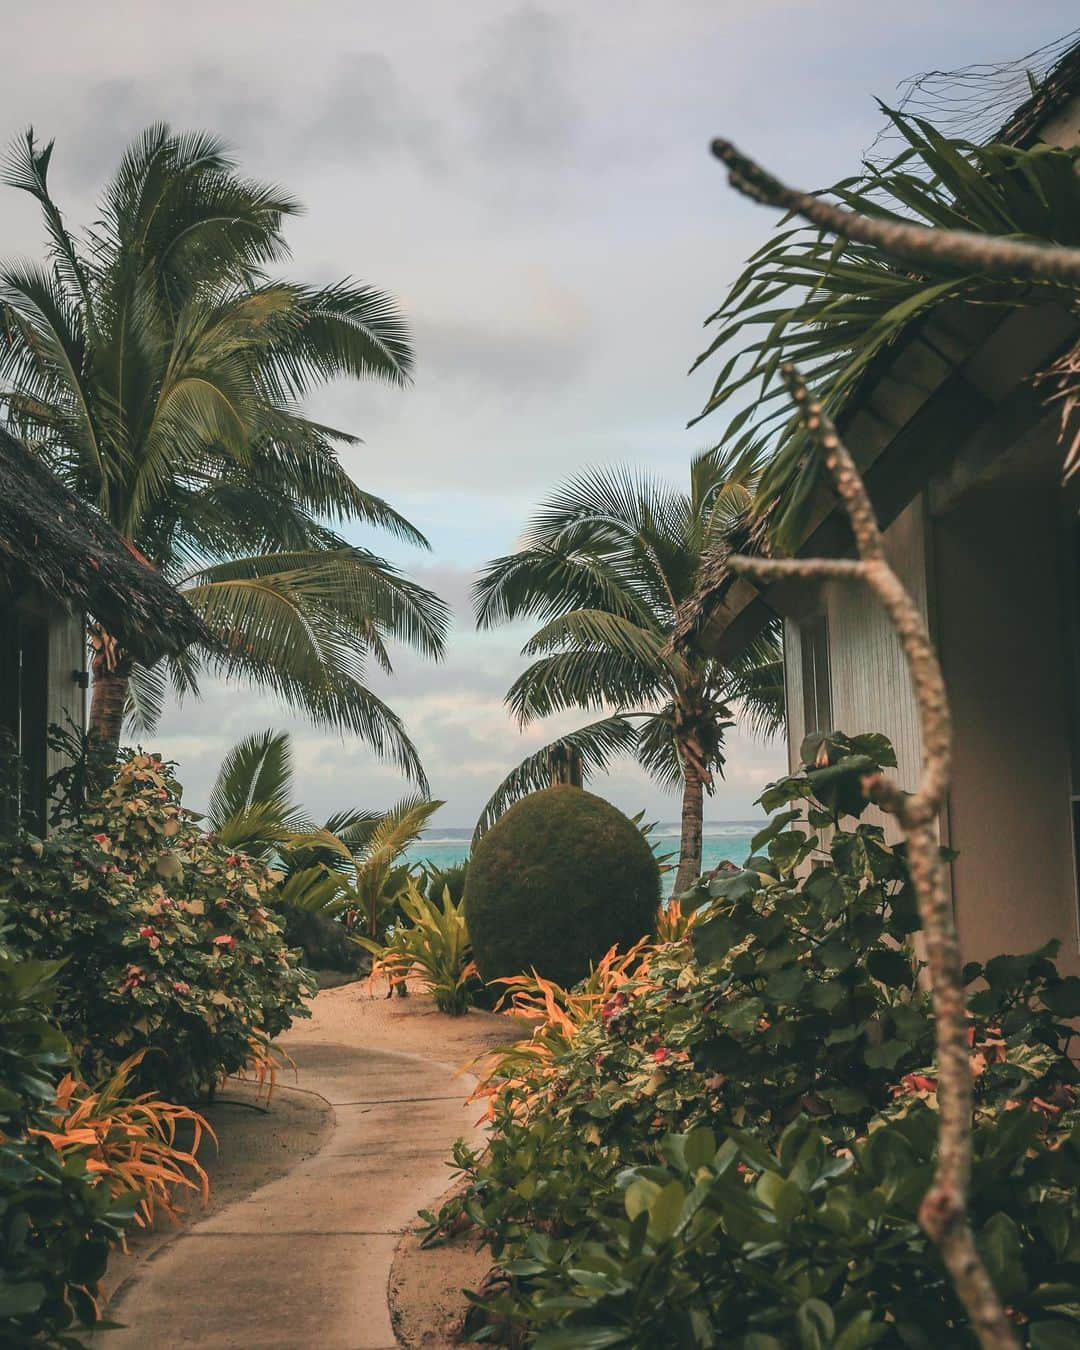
335,875
724,1139
557,881
56,1223
168,938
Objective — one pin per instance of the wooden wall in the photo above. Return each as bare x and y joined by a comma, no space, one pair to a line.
868,679
66,700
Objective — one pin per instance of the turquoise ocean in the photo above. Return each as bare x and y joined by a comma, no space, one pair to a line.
721,840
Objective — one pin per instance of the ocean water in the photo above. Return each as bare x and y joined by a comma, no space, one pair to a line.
720,840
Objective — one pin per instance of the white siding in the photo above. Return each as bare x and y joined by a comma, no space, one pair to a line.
793,691
871,690
868,680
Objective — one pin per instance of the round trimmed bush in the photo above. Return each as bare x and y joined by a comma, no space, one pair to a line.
559,879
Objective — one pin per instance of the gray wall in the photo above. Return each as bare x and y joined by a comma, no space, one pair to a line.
1002,633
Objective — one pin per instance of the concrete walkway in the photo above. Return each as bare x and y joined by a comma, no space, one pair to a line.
304,1261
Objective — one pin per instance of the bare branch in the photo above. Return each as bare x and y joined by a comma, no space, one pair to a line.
943,1213
985,253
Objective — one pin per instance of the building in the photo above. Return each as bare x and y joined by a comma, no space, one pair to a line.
962,459
59,563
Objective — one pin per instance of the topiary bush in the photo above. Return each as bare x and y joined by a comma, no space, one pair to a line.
558,880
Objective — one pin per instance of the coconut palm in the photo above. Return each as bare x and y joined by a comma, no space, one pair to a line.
605,565
160,370
349,866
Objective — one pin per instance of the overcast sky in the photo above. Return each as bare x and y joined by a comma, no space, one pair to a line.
532,182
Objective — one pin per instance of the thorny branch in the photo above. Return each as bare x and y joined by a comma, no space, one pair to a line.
943,1213
985,253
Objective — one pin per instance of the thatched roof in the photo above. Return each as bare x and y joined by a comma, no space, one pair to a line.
53,542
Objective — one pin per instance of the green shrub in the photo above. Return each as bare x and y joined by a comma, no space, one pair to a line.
323,939
56,1223
558,880
727,1143
452,879
168,939
430,940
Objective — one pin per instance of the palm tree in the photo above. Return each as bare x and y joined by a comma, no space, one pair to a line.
160,371
605,565
349,866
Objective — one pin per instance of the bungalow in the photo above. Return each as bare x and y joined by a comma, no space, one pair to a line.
962,459
59,562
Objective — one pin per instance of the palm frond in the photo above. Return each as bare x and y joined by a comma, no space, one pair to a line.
597,744
257,771
832,306
657,750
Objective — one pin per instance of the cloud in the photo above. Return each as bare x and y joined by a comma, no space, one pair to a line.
365,113
519,98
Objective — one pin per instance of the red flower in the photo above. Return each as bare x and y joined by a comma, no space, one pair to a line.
225,940
181,986
232,859
661,1054
916,1082
612,1008
146,931
101,839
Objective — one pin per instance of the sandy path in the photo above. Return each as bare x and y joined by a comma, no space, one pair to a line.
305,1260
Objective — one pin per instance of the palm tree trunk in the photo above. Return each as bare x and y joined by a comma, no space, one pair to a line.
108,698
690,844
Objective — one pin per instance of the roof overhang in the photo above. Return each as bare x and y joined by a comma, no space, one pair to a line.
946,407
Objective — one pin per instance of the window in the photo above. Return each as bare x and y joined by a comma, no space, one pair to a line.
817,696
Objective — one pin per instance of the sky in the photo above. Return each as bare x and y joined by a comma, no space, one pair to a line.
532,183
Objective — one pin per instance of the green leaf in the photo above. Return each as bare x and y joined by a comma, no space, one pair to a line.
778,823
785,985
815,1325
665,1210
891,967
1002,1251
1056,1335
699,1148
20,1300
1064,999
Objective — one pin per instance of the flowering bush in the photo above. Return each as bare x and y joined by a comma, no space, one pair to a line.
724,1139
169,939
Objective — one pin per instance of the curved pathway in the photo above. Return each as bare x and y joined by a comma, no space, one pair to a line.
305,1260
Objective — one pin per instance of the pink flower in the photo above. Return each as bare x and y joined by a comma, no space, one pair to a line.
915,1082
225,940
181,986
135,975
146,931
155,943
